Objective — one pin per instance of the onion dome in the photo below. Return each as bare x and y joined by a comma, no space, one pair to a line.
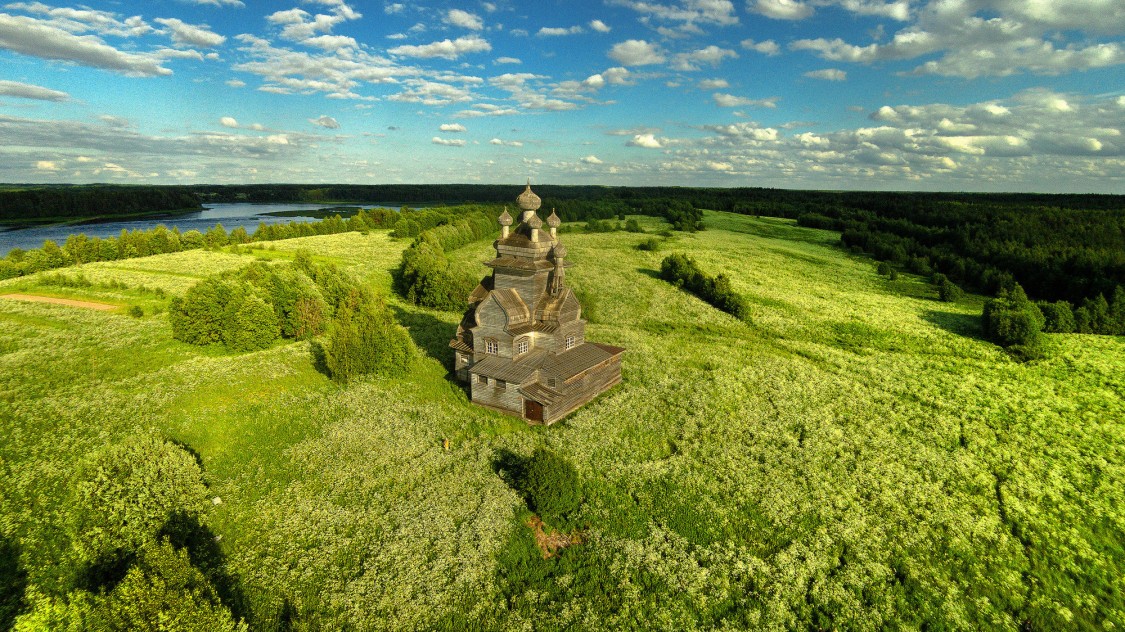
527,200
534,220
553,221
560,251
505,219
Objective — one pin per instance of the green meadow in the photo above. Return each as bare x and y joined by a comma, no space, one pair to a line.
857,456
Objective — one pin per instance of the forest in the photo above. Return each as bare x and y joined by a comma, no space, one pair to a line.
56,203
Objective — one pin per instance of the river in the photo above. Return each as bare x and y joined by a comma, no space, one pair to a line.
229,215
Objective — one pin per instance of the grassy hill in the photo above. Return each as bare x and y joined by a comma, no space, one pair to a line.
857,458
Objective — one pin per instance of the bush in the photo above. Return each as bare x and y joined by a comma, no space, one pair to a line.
883,269
633,226
251,326
364,338
949,292
201,316
1058,317
652,244
136,311
1014,322
125,493
682,271
551,486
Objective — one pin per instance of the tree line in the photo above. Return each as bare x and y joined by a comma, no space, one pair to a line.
683,272
96,200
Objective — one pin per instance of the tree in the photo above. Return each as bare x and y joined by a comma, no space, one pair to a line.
949,292
364,338
551,486
1058,317
1014,322
1117,311
252,326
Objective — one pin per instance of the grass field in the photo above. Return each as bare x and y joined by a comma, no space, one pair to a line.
857,458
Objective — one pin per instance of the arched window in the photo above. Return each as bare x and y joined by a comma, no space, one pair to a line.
491,346
522,346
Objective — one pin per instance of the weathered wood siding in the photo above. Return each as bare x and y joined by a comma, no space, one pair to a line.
507,398
581,391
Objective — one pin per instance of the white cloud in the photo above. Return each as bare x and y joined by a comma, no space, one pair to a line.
768,47
40,38
592,160
780,9
392,9
325,121
29,91
228,121
558,31
507,60
600,26
46,165
712,55
732,101
505,143
617,76
713,84
636,53
688,12
464,19
828,74
448,142
445,49
184,34
236,83
648,141
452,127
218,3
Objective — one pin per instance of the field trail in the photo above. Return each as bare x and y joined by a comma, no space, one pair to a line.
60,301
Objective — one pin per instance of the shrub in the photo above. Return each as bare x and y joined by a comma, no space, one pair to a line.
949,292
200,316
251,326
1058,317
1014,322
652,244
883,269
682,271
364,338
633,226
125,493
136,311
551,486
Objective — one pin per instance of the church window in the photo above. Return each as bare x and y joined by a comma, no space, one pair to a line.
521,346
570,342
491,346
483,379
501,385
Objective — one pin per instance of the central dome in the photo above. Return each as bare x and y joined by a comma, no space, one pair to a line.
528,201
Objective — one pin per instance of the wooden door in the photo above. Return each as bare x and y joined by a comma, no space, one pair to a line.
533,410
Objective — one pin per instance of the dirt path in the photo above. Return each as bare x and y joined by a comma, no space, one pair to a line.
105,307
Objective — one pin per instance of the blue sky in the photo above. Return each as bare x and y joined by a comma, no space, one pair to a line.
972,95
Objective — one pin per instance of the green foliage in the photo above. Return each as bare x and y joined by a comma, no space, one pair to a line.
425,276
136,311
161,591
682,271
633,226
652,244
125,492
252,325
550,484
1058,317
883,269
365,339
1014,322
949,292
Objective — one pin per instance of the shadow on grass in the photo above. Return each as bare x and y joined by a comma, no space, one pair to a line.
649,272
967,325
185,531
431,335
13,583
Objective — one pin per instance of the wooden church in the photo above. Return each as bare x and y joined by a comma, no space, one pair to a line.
522,343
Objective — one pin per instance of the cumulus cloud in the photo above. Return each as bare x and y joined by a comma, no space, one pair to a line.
464,19
713,84
452,127
592,160
236,83
712,55
636,53
228,121
600,26
184,34
29,91
394,8
445,49
559,31
448,142
648,141
732,101
768,47
828,74
39,38
505,143
218,3
326,122
688,13
974,40
507,60
780,9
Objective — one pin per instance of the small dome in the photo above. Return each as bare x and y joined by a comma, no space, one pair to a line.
553,221
560,251
527,200
505,219
534,220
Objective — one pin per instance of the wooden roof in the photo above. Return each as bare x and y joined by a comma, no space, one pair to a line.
513,305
